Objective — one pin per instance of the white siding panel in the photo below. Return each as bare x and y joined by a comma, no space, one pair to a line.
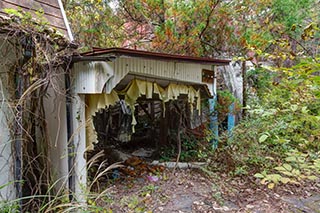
185,72
8,58
56,117
91,77
121,69
6,153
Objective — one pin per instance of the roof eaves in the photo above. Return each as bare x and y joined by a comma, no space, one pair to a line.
65,20
154,55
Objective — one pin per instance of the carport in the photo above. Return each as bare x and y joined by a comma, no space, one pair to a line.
139,83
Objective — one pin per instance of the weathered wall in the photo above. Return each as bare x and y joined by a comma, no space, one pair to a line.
8,57
88,77
55,112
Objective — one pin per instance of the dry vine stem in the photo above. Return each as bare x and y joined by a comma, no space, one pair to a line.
42,57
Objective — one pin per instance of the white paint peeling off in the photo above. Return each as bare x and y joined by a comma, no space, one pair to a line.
91,77
79,137
96,80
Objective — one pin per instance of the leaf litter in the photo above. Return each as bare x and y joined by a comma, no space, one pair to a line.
193,190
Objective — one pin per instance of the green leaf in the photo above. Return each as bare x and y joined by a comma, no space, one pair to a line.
13,12
287,173
304,110
259,175
271,185
312,177
270,158
294,107
274,177
263,138
301,159
285,180
280,168
296,172
291,159
287,166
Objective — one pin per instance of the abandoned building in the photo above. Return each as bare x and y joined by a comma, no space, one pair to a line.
121,95
104,99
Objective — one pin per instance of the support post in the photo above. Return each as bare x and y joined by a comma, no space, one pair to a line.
244,90
164,125
213,113
79,144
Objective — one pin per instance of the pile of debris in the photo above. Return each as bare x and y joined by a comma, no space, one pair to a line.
137,167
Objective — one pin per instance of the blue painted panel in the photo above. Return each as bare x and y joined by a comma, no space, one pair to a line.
231,119
214,121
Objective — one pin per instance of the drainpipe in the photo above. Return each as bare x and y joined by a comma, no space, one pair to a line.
27,45
71,180
18,139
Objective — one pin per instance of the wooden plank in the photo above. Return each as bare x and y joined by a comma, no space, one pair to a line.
34,6
53,3
54,21
26,3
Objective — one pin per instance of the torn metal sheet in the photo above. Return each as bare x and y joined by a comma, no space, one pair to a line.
138,87
135,89
173,91
94,103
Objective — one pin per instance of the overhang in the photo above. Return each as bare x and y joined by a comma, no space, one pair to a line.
153,55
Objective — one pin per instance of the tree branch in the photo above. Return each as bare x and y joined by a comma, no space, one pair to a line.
208,18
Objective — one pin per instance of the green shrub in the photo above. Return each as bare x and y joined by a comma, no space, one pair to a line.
285,119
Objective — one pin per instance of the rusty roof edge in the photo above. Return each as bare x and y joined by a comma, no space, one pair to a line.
155,55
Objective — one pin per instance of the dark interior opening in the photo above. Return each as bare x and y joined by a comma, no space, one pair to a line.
154,136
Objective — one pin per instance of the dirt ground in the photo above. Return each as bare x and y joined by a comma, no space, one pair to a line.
194,191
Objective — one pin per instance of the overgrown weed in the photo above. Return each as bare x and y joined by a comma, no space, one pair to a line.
283,123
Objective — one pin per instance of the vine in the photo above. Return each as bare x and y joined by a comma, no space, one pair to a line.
42,56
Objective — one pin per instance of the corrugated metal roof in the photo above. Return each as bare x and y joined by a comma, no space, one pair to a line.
154,55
